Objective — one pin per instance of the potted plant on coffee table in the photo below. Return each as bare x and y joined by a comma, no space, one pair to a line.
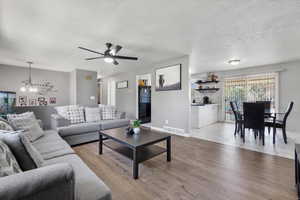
136,126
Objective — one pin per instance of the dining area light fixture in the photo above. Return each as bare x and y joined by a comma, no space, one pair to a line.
28,85
234,62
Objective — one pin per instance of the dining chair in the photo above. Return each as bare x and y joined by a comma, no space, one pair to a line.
237,117
277,123
267,107
254,115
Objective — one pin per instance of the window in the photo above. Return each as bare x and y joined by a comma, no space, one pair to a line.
262,87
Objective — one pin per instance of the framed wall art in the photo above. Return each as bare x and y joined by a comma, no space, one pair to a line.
122,84
168,78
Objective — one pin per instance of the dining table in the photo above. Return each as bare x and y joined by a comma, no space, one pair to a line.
270,116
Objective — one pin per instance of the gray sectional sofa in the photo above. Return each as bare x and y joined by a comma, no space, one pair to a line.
64,176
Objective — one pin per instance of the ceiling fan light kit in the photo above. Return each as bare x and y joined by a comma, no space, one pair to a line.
108,60
234,62
110,54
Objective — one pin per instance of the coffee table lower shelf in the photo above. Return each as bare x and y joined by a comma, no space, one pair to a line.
144,153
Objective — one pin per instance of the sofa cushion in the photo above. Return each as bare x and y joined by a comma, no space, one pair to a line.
108,112
8,162
21,121
87,185
76,114
115,123
77,129
52,145
32,151
16,146
62,111
26,121
92,114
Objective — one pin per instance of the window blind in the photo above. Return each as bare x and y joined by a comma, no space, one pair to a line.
261,87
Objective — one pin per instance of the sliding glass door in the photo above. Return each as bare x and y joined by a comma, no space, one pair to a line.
262,87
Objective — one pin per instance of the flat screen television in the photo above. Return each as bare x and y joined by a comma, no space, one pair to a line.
7,102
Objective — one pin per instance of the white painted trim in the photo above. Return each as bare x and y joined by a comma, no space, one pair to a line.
277,91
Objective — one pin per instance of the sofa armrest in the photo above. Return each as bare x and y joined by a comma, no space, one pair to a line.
121,115
59,121
47,183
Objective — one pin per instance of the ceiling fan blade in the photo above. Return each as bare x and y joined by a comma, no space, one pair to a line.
117,48
125,57
90,50
115,62
94,58
108,45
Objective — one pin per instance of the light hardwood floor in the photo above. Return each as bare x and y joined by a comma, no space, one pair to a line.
200,170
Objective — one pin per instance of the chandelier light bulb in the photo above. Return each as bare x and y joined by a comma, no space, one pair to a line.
23,89
33,89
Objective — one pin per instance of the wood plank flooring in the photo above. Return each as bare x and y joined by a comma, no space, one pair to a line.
200,170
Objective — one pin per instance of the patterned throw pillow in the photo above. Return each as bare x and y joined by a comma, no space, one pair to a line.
76,114
92,114
8,163
4,125
108,112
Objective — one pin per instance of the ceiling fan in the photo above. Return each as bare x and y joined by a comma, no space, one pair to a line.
110,55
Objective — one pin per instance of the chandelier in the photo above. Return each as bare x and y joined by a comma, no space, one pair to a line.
40,88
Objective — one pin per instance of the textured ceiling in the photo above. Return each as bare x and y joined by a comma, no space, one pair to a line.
210,31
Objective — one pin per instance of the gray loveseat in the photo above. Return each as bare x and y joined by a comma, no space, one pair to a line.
64,176
84,132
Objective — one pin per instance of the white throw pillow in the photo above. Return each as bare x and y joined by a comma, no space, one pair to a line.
92,114
62,111
28,123
34,131
108,112
20,121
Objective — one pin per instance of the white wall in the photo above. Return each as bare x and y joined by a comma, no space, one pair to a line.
173,106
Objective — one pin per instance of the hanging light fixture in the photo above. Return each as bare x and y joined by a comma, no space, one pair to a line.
28,86
42,88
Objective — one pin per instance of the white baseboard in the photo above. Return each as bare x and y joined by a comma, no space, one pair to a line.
171,130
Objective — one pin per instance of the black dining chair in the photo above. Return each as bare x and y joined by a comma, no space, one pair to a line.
277,123
254,116
237,117
267,107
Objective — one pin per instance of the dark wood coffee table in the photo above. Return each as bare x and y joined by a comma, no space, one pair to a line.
138,147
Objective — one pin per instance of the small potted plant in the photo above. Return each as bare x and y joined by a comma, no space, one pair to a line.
136,126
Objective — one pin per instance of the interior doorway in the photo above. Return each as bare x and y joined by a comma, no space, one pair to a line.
143,98
111,92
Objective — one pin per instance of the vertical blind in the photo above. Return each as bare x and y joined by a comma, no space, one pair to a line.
253,88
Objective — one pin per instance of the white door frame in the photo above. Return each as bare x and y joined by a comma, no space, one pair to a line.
111,92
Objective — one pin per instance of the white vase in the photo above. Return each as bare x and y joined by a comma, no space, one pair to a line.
136,130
